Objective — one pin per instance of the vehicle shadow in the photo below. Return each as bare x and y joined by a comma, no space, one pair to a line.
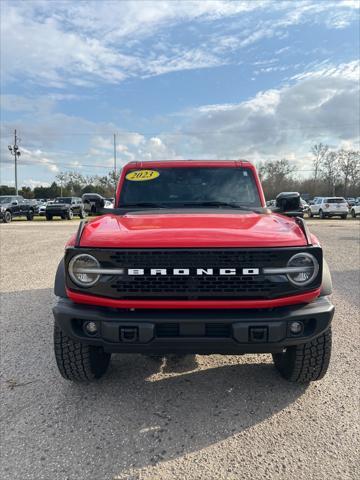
142,412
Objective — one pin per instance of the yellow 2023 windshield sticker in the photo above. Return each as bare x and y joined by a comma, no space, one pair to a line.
142,175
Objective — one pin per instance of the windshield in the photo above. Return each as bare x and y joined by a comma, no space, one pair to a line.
190,186
5,199
63,200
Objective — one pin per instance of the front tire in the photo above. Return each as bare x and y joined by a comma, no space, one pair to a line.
30,216
79,362
70,215
344,217
49,217
82,214
321,214
7,217
353,214
307,362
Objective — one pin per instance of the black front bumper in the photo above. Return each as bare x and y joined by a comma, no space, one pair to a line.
194,331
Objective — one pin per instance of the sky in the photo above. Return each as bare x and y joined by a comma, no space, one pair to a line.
258,80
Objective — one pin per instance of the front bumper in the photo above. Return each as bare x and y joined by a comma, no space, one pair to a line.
190,331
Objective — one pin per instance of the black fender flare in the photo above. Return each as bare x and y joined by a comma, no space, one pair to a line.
59,286
326,285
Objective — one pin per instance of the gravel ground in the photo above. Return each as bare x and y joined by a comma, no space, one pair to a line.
211,418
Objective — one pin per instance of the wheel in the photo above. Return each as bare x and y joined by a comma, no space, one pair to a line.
70,215
82,213
321,214
30,216
353,214
311,215
344,217
79,362
7,217
48,217
307,362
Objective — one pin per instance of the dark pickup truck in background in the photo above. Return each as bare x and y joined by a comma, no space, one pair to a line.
15,206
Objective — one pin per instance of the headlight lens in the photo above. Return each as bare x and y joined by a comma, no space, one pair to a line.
306,268
81,270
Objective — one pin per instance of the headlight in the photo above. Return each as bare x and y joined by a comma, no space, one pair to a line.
302,269
83,270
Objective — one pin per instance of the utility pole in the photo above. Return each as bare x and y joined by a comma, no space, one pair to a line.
115,163
14,150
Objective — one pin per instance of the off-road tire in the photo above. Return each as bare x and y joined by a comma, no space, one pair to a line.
79,362
321,214
7,217
30,216
70,215
82,214
49,217
307,362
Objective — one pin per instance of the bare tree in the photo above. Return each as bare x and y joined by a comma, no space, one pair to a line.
349,164
276,176
319,152
330,171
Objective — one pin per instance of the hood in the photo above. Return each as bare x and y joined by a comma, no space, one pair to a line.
189,229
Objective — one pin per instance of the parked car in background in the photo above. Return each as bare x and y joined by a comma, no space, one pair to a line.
93,203
42,208
329,207
351,201
66,208
15,206
355,209
305,206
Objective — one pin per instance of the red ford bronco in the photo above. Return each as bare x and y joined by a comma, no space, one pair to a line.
191,261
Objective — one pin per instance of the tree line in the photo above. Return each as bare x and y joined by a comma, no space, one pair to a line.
69,184
334,173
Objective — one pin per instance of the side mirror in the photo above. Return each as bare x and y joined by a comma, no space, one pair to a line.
288,203
15,202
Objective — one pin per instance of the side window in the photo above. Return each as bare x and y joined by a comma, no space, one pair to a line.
319,201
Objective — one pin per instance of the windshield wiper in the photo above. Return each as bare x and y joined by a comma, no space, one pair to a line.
143,204
214,204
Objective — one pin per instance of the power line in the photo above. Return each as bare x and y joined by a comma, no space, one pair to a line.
80,165
196,132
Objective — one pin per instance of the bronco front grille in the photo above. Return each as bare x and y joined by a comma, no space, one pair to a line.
193,287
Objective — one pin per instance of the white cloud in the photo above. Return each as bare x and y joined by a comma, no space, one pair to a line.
82,43
319,105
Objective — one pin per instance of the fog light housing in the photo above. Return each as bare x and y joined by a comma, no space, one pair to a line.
296,328
91,328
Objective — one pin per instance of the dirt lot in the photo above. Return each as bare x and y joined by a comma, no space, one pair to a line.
199,417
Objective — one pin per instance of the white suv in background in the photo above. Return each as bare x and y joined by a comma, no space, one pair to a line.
330,207
355,209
